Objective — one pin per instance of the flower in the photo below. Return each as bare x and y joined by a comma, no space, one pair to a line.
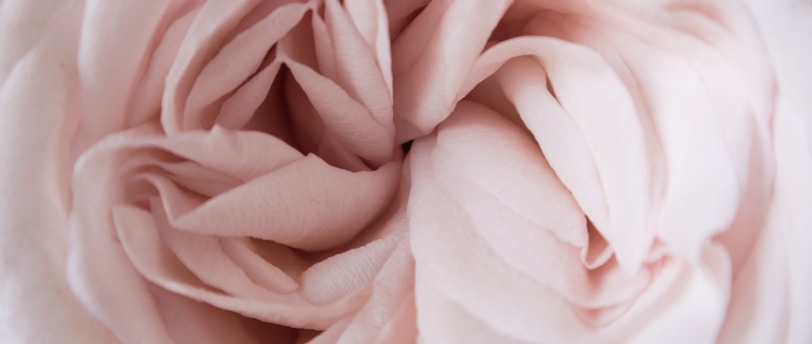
231,164
606,175
572,171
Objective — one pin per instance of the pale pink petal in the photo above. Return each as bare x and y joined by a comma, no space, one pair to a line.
761,290
326,281
206,258
354,55
148,170
256,267
112,62
497,161
371,20
703,188
708,157
180,65
696,300
238,59
278,206
792,220
605,114
432,56
107,285
401,12
38,111
713,47
389,315
344,78
210,27
559,137
145,103
492,166
144,247
238,109
771,297
189,321
469,249
351,122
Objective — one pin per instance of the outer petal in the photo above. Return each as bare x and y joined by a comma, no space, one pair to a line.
120,40
37,113
777,276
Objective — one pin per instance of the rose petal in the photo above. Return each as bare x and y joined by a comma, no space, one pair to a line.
515,202
432,57
615,140
238,109
205,257
697,299
771,299
111,62
349,272
371,20
140,239
193,322
239,58
389,316
210,27
145,102
259,270
353,57
480,150
280,206
349,121
38,77
557,134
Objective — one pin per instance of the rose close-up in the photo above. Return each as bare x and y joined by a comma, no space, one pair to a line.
227,172
403,171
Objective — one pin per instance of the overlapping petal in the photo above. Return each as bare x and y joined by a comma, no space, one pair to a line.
144,203
231,171
654,120
249,166
38,110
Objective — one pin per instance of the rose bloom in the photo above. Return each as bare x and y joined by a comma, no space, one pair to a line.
204,172
609,172
574,171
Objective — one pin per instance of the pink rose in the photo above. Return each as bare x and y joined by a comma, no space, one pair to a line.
212,172
610,172
230,171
